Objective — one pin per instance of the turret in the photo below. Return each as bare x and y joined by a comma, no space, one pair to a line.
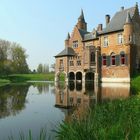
128,29
81,22
67,40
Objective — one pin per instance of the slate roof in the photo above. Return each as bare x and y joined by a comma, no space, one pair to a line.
90,36
118,21
66,52
83,33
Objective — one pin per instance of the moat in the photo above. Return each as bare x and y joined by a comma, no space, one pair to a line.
33,106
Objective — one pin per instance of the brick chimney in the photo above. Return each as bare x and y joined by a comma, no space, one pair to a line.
107,17
122,8
100,27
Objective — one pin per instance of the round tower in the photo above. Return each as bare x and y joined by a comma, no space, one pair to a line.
128,29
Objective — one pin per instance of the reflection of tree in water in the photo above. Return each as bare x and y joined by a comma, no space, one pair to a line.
12,99
42,87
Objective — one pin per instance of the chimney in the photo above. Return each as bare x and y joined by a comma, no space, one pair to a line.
107,17
122,8
100,27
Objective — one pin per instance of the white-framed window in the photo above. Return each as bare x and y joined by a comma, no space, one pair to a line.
113,59
75,44
79,63
122,58
71,63
61,63
106,41
120,38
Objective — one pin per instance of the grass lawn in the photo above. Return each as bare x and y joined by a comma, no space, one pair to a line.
31,77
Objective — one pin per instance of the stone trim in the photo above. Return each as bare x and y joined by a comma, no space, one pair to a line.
117,85
115,80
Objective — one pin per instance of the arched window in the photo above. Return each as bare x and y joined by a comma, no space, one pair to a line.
122,58
104,59
113,59
92,57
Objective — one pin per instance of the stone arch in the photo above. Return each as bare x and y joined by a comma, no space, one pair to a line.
60,76
89,76
71,76
79,76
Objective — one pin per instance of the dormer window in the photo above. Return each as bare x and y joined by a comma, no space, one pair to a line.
105,41
120,39
75,44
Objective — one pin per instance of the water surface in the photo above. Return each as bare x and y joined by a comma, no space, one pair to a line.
45,105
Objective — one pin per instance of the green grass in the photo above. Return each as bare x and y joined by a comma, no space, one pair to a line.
135,83
115,120
4,82
31,77
42,136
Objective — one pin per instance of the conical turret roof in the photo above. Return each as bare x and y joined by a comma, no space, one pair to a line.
81,18
128,18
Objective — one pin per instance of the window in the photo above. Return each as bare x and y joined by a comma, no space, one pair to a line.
105,41
79,63
61,97
130,38
113,59
75,44
122,58
92,57
120,38
104,60
71,63
61,62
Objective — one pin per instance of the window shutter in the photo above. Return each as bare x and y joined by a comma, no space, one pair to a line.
117,60
100,61
108,59
126,59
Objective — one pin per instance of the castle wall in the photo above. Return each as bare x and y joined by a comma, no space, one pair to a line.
118,72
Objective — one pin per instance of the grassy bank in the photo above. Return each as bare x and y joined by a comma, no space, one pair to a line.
31,77
116,120
4,82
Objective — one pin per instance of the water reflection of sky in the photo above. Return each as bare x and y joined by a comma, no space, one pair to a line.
33,106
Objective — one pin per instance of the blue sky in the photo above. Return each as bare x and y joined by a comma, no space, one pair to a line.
41,26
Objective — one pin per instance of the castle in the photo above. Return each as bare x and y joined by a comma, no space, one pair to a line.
110,54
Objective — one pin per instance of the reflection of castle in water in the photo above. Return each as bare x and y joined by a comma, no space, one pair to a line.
76,93
81,97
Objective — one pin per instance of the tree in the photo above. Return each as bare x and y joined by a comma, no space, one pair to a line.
12,58
43,68
40,68
53,67
19,56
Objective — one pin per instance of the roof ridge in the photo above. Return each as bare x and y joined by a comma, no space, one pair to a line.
125,9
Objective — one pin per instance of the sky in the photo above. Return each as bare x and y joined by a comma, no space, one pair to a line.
41,26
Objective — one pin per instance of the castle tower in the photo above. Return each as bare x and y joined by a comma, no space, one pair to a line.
81,22
128,29
67,41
